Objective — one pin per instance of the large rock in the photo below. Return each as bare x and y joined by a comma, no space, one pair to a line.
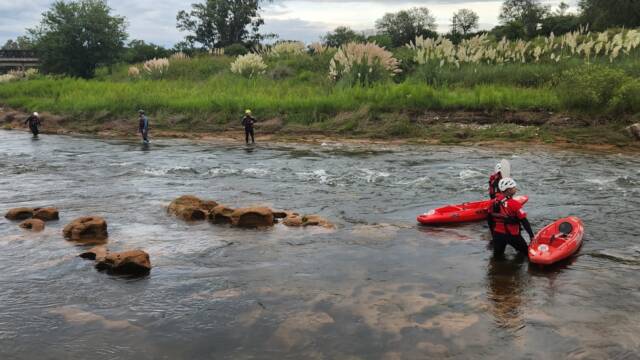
221,214
19,214
135,262
98,253
33,225
634,130
252,217
46,214
91,228
191,208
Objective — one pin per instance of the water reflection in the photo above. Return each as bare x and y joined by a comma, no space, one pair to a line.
506,283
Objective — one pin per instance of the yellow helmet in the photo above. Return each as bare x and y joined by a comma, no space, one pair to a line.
247,112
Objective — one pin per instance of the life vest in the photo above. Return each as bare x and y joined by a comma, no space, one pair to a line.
504,212
494,180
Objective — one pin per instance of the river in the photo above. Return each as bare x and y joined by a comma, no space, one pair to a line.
378,287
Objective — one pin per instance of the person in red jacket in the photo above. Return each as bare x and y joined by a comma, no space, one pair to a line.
506,220
494,180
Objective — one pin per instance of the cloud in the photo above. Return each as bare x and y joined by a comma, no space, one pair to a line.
306,20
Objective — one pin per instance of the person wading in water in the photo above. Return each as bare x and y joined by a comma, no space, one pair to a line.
247,122
506,220
143,127
494,180
34,123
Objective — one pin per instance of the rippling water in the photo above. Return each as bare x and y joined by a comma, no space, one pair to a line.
379,287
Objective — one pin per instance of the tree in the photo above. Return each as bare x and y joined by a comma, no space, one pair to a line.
20,43
75,37
220,23
603,14
527,13
464,20
139,51
404,26
563,8
340,36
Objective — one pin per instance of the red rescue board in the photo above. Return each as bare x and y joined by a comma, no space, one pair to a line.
467,212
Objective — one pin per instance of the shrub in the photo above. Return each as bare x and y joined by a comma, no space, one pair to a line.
156,68
589,87
179,56
236,50
133,72
363,64
281,72
626,98
249,65
287,48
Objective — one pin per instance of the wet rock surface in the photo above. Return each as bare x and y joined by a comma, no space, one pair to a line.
90,228
254,217
35,225
134,262
46,214
97,253
19,214
191,208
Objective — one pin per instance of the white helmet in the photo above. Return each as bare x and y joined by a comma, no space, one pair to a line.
506,183
35,114
498,167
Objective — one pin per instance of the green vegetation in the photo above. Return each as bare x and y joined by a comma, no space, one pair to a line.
352,86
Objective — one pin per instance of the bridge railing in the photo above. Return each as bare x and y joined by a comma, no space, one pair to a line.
18,54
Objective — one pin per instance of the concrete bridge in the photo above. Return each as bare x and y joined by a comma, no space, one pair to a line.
19,59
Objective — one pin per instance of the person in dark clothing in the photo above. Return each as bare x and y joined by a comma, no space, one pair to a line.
143,127
34,123
506,219
248,121
494,180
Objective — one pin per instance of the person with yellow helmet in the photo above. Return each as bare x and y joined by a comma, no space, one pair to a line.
247,122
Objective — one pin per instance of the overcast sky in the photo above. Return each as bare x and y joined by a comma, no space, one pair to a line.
306,20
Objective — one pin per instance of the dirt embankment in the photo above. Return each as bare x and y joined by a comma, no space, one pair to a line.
499,128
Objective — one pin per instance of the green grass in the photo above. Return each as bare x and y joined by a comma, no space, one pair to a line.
231,94
202,94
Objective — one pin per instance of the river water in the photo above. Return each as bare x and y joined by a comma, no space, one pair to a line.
378,287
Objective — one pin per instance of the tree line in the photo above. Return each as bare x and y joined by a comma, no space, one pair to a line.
75,37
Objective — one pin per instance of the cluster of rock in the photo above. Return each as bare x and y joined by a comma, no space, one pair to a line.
86,230
33,218
191,208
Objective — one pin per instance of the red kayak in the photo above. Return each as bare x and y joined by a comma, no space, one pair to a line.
557,241
467,212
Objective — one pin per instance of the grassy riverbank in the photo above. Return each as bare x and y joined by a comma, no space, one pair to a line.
560,95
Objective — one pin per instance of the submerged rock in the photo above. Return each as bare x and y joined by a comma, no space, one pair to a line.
191,208
252,217
95,253
297,220
634,130
135,262
221,214
46,214
19,214
33,225
86,229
